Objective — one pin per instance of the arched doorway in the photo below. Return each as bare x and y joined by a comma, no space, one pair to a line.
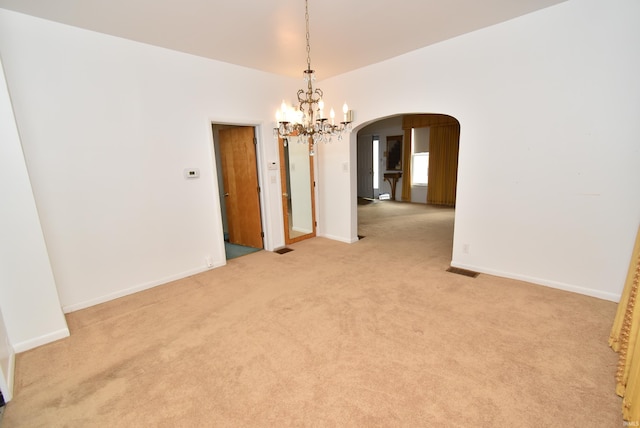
422,207
426,169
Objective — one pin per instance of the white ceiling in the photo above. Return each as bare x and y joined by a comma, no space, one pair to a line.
269,35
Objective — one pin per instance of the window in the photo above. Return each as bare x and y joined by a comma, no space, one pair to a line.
420,156
420,169
376,162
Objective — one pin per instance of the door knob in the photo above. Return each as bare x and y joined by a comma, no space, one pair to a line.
226,194
286,195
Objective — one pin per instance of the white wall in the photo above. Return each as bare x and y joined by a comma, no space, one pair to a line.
29,302
108,126
337,190
548,105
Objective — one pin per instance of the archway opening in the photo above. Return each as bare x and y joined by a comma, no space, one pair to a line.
409,158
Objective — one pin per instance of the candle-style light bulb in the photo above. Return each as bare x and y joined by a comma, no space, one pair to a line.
283,108
321,108
333,116
345,109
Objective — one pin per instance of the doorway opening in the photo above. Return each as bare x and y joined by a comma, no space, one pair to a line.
239,188
417,159
417,177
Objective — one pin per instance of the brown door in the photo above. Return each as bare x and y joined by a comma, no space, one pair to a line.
240,179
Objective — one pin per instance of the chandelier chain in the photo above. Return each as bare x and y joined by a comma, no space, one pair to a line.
306,18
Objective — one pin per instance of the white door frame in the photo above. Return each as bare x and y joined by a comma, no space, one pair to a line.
7,363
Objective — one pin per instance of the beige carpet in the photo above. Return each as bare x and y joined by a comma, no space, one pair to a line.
375,333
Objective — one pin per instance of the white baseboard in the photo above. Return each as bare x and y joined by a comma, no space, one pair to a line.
340,239
539,281
41,340
137,288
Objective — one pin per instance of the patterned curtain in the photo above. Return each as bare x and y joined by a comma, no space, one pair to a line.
623,340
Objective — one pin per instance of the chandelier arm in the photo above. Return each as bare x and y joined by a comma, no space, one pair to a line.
319,93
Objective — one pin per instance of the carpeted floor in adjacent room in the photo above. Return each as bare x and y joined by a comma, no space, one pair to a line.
370,334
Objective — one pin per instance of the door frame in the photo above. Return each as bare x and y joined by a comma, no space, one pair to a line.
313,188
260,162
361,140
7,363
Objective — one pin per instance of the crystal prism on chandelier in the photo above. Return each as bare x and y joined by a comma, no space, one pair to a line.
309,120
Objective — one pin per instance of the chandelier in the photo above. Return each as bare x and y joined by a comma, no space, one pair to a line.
308,121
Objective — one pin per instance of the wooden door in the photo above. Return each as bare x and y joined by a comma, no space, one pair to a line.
240,180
